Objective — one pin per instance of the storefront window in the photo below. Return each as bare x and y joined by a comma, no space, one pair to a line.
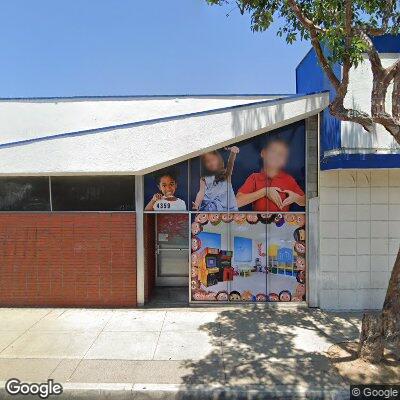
93,193
211,258
286,252
24,194
247,205
248,257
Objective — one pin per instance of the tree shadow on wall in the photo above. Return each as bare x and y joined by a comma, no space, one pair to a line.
269,117
272,347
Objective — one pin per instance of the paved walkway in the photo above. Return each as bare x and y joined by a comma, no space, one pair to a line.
229,346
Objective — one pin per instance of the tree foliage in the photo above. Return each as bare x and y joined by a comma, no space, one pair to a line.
346,29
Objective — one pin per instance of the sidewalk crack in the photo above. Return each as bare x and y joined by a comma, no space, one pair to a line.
23,333
159,334
87,351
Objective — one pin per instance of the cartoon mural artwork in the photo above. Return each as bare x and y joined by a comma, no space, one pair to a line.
229,262
196,228
246,259
285,295
261,253
286,258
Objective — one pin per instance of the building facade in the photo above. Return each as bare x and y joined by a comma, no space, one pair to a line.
241,198
359,192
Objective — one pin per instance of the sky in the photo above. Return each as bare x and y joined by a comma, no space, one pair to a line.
136,47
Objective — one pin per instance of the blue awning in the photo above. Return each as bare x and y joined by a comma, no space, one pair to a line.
360,161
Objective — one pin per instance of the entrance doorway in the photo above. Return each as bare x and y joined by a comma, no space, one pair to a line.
172,251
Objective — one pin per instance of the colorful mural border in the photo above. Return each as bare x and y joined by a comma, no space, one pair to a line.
214,271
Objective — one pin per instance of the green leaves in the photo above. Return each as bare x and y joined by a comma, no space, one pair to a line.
328,19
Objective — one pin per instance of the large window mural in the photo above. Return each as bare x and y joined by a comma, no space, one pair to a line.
247,205
262,174
265,173
248,257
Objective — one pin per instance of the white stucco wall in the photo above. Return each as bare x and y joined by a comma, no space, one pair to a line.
148,146
359,97
359,236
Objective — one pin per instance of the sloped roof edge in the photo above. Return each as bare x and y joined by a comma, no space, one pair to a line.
144,96
286,99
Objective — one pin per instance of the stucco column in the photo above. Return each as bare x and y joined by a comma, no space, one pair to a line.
312,169
139,207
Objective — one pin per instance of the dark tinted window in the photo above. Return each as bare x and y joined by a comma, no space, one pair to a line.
24,194
93,193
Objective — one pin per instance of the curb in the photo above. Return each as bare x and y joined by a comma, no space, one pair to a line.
122,391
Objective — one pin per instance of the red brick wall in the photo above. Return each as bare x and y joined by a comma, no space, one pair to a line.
68,259
149,255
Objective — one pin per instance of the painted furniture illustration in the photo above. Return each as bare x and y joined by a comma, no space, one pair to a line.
280,260
215,266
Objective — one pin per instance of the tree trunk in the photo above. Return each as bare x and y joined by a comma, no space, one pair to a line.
376,328
381,81
391,309
371,338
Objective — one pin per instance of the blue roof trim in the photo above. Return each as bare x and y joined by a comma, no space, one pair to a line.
150,121
145,96
310,77
300,65
360,161
387,43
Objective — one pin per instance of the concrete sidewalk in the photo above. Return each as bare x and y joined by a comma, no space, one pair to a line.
274,349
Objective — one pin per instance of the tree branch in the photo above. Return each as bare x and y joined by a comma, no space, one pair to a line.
305,21
371,31
381,76
313,29
338,110
396,96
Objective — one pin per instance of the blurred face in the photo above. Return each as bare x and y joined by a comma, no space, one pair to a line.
211,162
275,156
167,186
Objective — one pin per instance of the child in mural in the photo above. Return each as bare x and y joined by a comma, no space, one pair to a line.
165,199
272,189
215,184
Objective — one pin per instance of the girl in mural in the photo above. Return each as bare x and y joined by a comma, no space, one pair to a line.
272,189
215,184
165,199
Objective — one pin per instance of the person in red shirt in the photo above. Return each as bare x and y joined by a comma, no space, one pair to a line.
272,189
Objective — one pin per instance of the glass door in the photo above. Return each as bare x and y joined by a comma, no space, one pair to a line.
172,251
